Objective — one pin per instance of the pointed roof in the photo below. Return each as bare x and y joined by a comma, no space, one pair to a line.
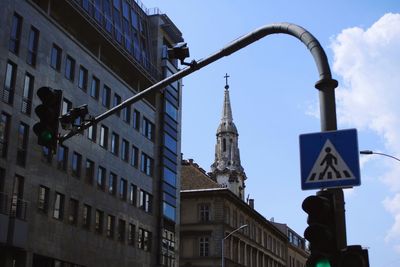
227,124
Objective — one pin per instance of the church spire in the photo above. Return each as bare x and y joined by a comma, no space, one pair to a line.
227,169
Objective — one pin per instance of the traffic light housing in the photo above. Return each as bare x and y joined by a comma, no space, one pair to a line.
321,230
48,112
353,256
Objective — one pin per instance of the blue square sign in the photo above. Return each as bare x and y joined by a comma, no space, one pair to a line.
329,159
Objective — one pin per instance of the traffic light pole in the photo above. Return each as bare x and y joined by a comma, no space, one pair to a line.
325,85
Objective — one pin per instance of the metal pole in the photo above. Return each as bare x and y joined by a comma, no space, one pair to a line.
370,152
223,252
223,239
286,28
325,85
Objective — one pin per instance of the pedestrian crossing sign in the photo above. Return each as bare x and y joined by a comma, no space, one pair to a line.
329,159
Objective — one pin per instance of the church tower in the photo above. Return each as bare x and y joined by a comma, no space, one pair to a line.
226,169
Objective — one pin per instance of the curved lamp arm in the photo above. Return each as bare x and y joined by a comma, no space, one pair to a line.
370,152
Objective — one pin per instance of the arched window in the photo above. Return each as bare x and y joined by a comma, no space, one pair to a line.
224,144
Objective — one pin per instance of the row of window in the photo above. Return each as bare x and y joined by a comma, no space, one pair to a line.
252,231
15,40
146,127
22,138
107,185
122,148
242,253
102,223
123,23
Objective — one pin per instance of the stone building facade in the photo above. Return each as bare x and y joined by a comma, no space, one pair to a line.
109,196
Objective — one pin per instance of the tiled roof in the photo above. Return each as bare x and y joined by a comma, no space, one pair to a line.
194,177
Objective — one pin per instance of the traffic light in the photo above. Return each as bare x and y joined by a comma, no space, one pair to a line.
48,112
353,256
321,232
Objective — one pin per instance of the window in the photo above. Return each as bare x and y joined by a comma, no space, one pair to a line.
94,88
47,155
86,217
55,57
121,230
204,246
107,15
33,42
91,133
83,78
204,212
105,96
26,105
104,136
171,110
97,11
101,178
132,194
126,114
76,164
58,211
73,211
23,131
4,133
146,164
110,226
136,119
148,129
69,68
131,234
15,35
89,171
168,248
43,200
114,143
169,210
144,239
116,102
99,221
171,143
66,106
9,83
62,158
169,176
123,188
145,201
135,156
18,205
125,150
112,183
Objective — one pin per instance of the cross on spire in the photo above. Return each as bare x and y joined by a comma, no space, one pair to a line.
226,81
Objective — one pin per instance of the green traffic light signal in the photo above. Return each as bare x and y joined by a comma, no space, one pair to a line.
323,263
46,136
48,113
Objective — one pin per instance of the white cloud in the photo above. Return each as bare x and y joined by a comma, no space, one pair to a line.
368,62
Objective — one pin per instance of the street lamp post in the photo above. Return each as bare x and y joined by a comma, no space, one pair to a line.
223,242
370,152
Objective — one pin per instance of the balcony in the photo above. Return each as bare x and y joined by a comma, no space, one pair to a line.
13,224
4,218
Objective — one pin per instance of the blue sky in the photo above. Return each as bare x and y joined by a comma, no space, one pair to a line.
274,101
